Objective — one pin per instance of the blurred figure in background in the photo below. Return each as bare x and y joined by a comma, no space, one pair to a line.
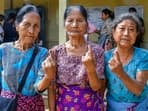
91,29
140,37
105,37
1,28
10,33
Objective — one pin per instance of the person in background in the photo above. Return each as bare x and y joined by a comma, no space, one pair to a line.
126,72
15,56
10,33
79,67
1,28
140,37
91,29
105,36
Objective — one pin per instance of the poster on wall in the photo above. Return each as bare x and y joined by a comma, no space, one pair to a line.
124,9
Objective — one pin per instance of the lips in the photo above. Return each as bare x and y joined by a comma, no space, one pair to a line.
125,39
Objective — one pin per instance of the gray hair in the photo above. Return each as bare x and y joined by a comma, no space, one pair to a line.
126,16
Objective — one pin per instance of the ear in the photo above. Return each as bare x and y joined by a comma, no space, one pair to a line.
137,34
16,27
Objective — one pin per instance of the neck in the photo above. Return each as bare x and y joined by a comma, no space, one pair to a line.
76,43
21,46
125,54
75,48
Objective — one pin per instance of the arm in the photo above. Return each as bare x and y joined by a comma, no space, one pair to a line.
95,82
134,85
49,69
52,97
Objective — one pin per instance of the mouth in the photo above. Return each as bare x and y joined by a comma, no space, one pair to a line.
125,39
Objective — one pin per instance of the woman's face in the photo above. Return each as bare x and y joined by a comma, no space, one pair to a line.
125,33
75,24
104,16
28,29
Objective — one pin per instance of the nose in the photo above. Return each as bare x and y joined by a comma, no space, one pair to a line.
74,24
31,29
126,32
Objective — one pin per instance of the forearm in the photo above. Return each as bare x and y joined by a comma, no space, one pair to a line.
94,81
52,97
43,84
132,85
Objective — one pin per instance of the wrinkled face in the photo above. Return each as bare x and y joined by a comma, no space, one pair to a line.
75,24
125,33
28,29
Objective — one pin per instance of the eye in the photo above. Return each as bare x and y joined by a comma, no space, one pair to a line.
80,20
131,29
26,25
36,26
70,20
121,28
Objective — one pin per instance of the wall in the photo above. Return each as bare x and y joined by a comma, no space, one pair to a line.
112,5
2,6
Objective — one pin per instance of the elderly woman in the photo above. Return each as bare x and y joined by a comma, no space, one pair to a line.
14,58
126,68
79,67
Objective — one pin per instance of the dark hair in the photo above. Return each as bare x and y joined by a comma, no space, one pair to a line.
24,10
1,17
107,11
126,16
80,7
132,9
11,15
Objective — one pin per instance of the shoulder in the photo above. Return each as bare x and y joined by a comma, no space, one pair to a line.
42,51
6,45
140,53
108,54
57,47
42,48
96,48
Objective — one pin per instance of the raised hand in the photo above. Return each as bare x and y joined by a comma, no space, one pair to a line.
88,60
115,63
49,66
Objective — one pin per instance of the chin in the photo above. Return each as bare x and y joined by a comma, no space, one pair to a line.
29,43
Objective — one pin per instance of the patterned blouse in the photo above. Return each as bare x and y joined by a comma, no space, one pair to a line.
116,88
12,66
71,71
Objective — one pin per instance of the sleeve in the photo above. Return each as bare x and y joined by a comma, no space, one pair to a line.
109,27
143,65
99,56
40,74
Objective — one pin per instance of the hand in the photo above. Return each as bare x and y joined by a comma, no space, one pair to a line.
115,64
49,66
88,60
